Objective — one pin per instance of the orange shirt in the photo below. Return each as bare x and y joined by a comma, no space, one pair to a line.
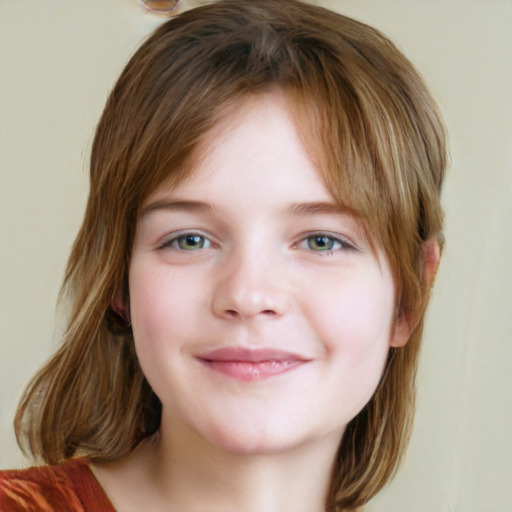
67,487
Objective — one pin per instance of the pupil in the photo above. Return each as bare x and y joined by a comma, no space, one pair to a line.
321,241
193,240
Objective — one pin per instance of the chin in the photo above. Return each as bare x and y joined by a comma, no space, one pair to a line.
257,438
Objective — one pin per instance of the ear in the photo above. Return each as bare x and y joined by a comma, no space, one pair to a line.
121,306
406,323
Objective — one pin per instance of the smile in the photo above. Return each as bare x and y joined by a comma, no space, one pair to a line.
250,364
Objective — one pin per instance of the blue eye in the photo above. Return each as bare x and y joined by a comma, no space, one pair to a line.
188,242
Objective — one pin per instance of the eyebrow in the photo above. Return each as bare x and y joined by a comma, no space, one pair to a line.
317,208
294,209
179,204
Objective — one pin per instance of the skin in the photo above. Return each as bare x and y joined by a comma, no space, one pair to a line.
251,251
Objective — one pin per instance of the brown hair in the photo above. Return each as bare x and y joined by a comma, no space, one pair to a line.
369,120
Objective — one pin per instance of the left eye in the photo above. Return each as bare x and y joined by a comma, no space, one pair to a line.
325,243
188,242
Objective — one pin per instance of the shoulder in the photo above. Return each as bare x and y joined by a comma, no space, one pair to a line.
69,486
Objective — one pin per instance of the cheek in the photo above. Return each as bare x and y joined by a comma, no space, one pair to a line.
354,322
160,317
155,307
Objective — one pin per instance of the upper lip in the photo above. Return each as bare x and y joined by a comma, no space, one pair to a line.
249,355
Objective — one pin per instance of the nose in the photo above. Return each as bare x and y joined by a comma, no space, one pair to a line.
250,287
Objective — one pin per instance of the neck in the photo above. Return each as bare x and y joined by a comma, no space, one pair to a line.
181,471
193,474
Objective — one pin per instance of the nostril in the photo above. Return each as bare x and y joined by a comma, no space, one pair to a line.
237,301
233,313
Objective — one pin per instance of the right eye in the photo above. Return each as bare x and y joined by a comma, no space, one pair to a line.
187,242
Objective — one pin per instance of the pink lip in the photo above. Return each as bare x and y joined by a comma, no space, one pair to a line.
250,364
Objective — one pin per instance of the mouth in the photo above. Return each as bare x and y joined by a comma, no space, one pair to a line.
247,364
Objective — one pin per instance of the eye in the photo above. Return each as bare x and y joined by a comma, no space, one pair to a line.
322,242
187,242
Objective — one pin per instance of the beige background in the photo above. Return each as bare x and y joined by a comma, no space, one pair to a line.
58,59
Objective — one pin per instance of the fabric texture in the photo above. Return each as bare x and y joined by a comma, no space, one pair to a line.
70,486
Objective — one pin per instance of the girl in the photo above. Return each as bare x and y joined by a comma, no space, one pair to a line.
249,283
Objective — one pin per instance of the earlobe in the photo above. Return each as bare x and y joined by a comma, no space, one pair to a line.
405,323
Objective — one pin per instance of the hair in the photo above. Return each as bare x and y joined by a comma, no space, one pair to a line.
375,131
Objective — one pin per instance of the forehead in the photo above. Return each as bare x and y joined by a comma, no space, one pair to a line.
260,133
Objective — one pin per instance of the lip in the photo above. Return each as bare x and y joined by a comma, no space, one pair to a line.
248,364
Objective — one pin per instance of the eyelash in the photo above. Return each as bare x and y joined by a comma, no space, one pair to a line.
334,243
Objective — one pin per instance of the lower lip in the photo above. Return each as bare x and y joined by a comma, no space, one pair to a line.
251,371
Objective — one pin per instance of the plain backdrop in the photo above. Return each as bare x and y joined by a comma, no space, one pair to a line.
59,59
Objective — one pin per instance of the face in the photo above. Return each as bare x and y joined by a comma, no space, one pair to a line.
261,317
